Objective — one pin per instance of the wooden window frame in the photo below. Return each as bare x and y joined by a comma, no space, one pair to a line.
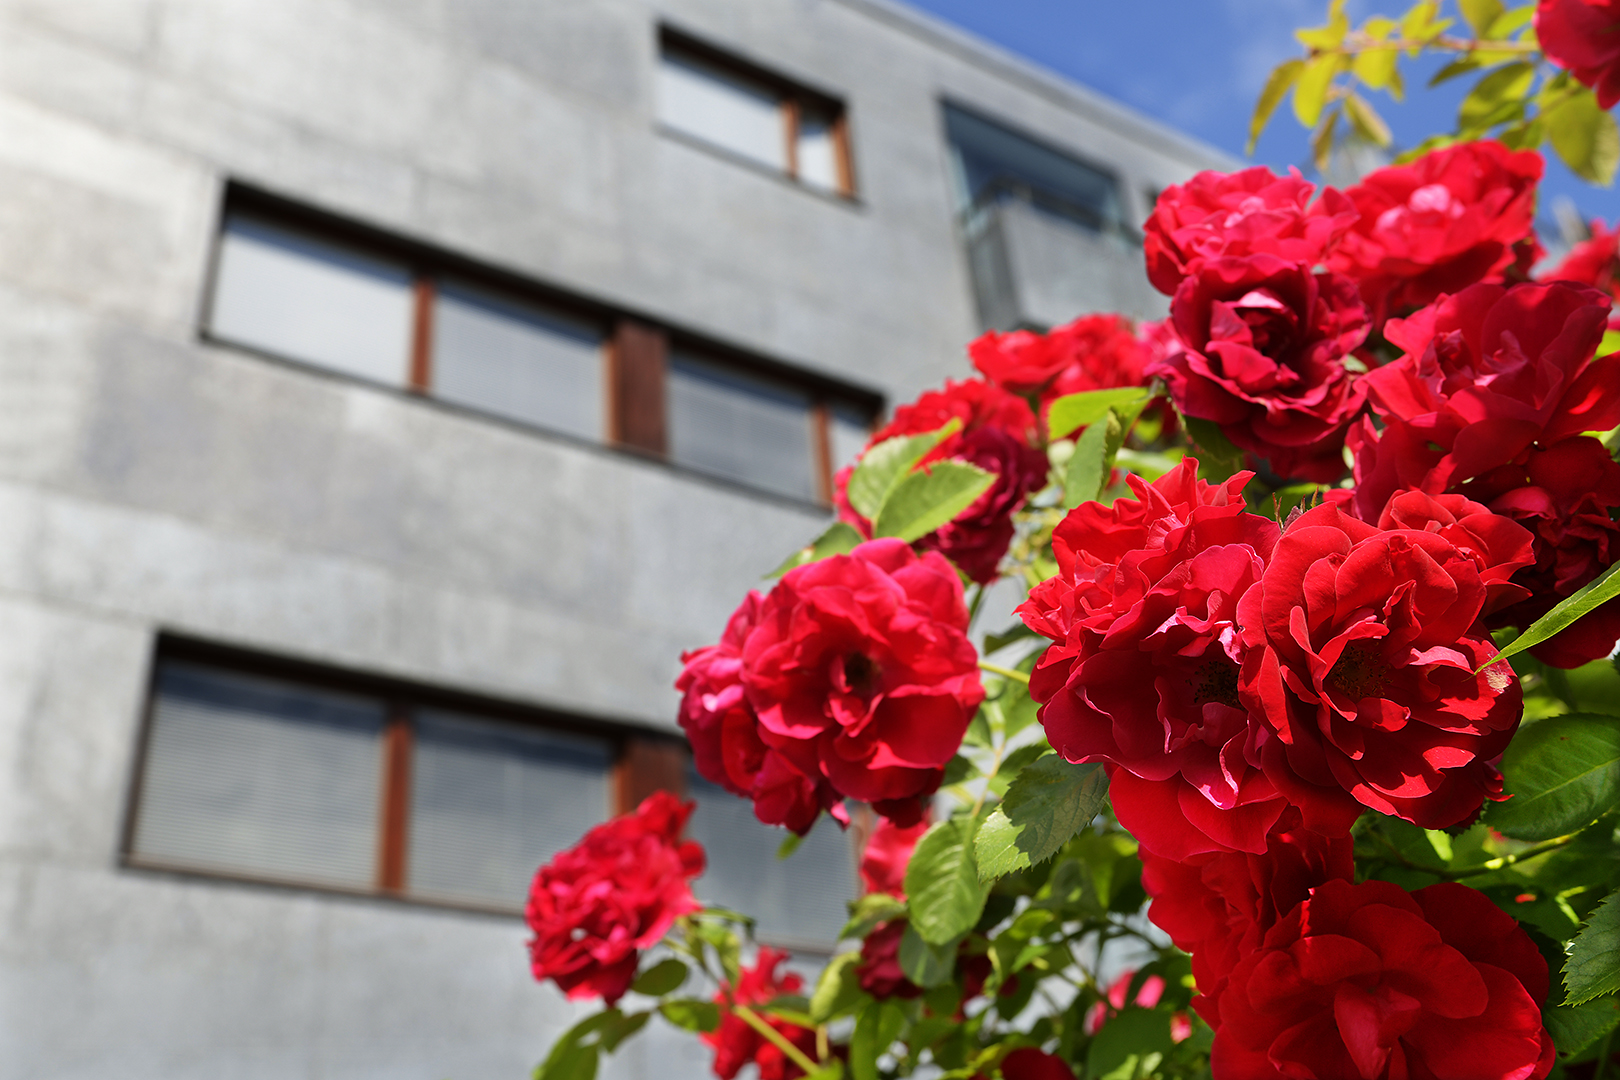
642,761
635,349
794,97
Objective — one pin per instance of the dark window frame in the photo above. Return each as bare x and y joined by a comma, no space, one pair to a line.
635,347
795,96
642,760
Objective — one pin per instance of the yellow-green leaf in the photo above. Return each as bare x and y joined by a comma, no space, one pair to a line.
1330,36
1322,143
923,501
1375,67
1480,14
1584,136
1497,97
1311,89
1511,22
1365,119
1283,76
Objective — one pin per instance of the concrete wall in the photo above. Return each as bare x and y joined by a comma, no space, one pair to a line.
150,482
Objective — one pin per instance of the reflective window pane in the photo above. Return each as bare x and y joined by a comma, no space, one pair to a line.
800,899
993,162
849,430
721,108
260,777
307,299
739,426
491,802
518,360
817,153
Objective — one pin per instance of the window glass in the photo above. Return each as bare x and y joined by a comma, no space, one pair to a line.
818,157
260,777
518,360
311,300
721,108
993,162
848,432
796,900
491,802
740,426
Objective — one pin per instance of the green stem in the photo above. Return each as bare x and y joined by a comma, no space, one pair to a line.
995,767
1604,1055
755,1021
1005,673
1503,861
1357,43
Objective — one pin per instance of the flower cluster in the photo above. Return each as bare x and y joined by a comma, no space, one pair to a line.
596,906
853,678
737,1043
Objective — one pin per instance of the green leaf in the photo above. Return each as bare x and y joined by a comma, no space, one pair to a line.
923,501
1375,67
1311,89
1480,14
662,978
1511,22
924,963
691,1015
1562,773
1576,1027
877,1025
790,843
1600,590
1282,77
1585,136
839,538
833,1070
1460,66
882,467
1218,459
1498,96
944,893
868,911
1330,36
1077,410
575,1062
1092,462
837,990
1593,967
1133,1033
615,1033
1365,119
1048,804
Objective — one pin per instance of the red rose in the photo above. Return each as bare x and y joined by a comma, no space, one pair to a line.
1594,261
595,906
1583,38
1497,546
1484,374
1094,352
879,971
1218,907
997,434
1372,981
1266,340
1448,220
1362,645
888,852
735,1041
860,672
1252,212
1028,1063
724,732
1565,495
1143,671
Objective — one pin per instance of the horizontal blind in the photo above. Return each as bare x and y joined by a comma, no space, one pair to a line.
260,777
491,802
740,426
801,898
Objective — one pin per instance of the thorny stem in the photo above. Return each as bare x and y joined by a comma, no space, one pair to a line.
1004,672
755,1021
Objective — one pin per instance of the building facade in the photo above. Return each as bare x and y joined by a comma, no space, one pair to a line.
390,390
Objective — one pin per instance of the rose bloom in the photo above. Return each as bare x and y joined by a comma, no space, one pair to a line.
1361,649
1029,1063
1372,981
998,435
1583,38
887,854
1147,996
1265,347
1594,261
1094,352
595,906
1143,672
1565,495
725,736
1448,220
736,1043
1251,212
1219,907
859,671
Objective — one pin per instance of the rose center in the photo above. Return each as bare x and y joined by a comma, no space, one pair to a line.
1360,672
861,673
1216,681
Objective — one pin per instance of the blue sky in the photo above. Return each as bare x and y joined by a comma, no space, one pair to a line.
1198,65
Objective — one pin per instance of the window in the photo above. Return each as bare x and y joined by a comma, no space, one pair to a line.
292,283
798,901
287,780
753,115
993,163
